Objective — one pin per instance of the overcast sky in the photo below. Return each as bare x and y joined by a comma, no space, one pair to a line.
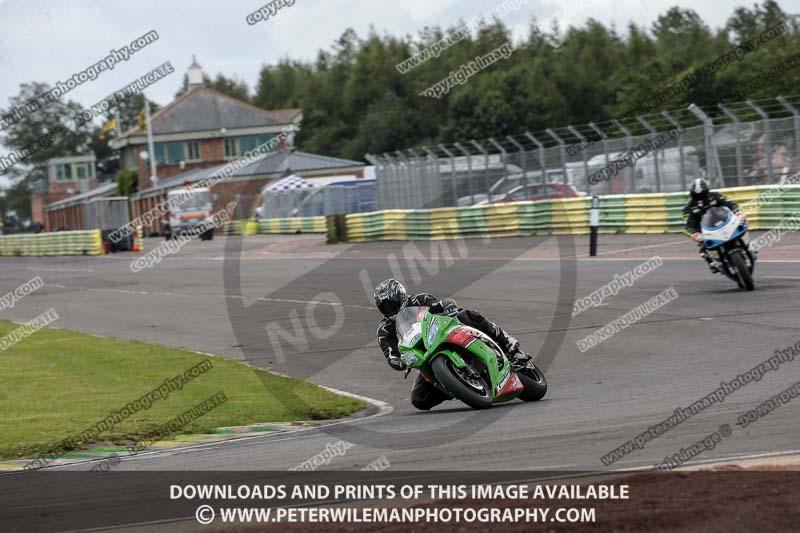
49,40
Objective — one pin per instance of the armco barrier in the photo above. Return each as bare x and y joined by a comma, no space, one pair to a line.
765,206
54,243
276,226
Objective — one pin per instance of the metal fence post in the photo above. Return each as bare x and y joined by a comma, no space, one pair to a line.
653,134
540,147
796,123
736,125
394,189
486,175
470,187
453,175
523,162
379,185
540,150
580,136
419,178
711,149
405,171
767,141
603,135
677,125
629,147
562,148
505,162
433,168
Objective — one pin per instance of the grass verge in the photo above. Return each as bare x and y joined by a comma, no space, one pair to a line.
57,384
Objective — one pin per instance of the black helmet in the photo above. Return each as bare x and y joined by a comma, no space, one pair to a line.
699,190
389,296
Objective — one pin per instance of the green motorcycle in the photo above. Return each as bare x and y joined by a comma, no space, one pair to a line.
463,362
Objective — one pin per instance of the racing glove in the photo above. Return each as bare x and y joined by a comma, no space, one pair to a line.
396,363
743,215
697,237
445,306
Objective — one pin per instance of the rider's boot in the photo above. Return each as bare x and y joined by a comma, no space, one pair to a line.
510,345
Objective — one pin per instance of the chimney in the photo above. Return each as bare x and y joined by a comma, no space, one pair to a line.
195,75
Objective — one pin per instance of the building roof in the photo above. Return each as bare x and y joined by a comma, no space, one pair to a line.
272,164
297,161
107,189
204,109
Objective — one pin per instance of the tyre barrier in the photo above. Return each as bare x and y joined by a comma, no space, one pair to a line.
266,226
52,244
765,206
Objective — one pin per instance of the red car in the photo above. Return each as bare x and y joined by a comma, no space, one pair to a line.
537,192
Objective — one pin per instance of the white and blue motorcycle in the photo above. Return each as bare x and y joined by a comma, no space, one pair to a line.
723,234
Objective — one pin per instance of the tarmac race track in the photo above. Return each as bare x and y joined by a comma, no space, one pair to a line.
597,400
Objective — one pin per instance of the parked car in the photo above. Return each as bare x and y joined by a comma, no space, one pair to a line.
506,184
537,192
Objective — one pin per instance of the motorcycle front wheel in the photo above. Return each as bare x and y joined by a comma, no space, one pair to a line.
469,387
534,381
742,272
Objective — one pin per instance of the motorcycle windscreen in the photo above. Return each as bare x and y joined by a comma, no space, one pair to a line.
715,218
409,325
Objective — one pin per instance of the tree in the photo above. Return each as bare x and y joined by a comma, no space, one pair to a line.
127,182
58,119
129,111
232,87
185,84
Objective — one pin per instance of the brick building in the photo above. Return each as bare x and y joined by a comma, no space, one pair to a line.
246,183
66,176
200,129
200,132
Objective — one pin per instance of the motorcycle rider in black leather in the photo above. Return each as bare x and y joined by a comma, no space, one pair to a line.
703,198
390,296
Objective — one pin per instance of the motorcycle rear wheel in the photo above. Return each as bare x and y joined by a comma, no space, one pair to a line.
473,391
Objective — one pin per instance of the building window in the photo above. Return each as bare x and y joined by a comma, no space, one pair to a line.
247,143
64,171
169,153
235,146
193,151
231,147
81,171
